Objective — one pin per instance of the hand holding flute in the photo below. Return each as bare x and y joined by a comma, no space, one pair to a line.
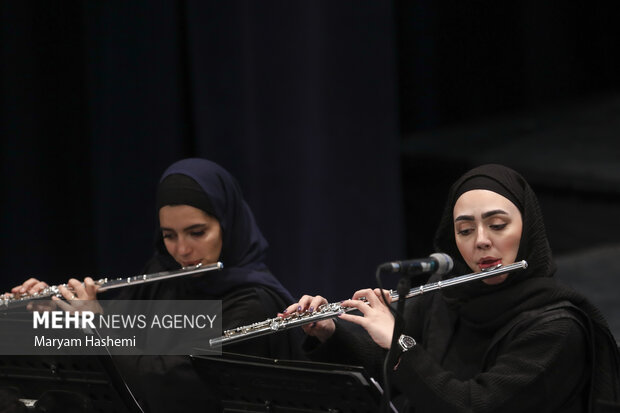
376,317
75,293
83,296
322,329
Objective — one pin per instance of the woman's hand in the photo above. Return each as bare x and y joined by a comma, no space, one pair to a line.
31,286
323,329
377,319
81,297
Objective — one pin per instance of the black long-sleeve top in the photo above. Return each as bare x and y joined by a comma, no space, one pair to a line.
539,362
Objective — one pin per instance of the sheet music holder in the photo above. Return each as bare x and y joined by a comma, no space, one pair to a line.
254,384
80,383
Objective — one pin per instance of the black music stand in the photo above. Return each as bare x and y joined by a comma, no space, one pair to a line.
257,385
66,384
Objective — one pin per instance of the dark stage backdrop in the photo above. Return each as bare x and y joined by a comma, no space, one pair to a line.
296,99
323,110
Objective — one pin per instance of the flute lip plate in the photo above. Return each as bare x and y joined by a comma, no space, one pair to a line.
491,268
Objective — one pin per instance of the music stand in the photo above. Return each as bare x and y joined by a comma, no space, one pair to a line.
253,384
88,383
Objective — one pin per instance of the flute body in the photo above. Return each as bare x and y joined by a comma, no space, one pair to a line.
14,300
332,310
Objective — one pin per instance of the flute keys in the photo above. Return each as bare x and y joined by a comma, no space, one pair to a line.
275,325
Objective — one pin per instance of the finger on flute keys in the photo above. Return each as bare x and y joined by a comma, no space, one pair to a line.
307,303
30,286
363,299
66,293
370,294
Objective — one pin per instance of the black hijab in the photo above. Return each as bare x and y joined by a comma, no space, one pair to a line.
533,247
490,307
206,185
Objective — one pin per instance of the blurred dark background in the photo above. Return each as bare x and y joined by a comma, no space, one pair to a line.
344,122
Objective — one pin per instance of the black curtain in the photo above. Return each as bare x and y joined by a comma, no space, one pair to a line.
463,61
296,99
301,102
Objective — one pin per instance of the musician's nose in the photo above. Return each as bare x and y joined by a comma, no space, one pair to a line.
482,238
183,247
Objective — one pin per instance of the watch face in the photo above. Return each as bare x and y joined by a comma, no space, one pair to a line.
406,342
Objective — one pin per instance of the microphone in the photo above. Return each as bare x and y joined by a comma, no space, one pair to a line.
436,263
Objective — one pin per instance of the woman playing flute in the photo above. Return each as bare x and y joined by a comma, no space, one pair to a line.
516,342
202,219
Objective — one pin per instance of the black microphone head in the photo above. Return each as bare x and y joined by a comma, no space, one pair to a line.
444,263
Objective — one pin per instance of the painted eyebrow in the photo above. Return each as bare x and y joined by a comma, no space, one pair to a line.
484,215
191,227
494,212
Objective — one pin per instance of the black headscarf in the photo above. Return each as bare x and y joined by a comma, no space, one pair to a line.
491,307
206,185
533,247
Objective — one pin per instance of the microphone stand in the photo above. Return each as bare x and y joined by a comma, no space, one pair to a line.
403,287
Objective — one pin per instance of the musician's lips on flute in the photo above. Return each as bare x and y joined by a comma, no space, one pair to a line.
190,235
489,262
191,263
487,230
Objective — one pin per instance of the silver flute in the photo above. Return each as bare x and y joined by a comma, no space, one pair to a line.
9,300
332,310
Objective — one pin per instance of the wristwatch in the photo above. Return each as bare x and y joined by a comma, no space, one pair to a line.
406,342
